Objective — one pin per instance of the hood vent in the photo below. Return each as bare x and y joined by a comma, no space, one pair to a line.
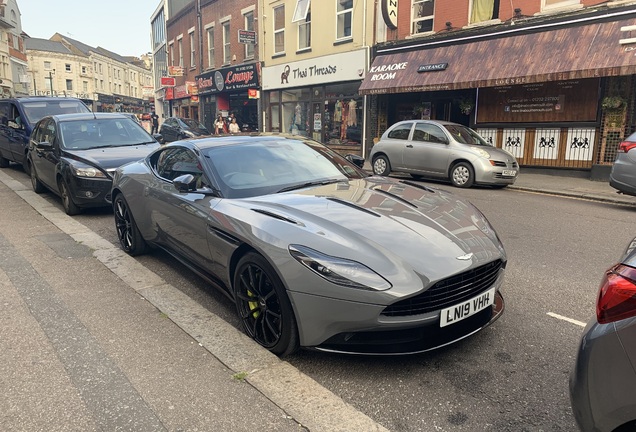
395,197
352,205
417,185
276,216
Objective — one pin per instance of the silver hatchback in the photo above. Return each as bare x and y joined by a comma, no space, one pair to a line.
440,149
623,175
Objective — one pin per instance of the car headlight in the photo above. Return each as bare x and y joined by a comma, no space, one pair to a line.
339,271
87,171
481,152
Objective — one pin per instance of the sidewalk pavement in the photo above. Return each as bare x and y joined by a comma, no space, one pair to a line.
92,340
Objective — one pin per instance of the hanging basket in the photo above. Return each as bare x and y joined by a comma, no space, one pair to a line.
613,104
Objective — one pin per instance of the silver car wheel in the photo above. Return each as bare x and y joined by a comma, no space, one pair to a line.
381,166
462,175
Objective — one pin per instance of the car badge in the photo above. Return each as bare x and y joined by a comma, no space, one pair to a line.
466,257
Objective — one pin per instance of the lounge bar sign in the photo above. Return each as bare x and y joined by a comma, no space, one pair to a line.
389,13
432,67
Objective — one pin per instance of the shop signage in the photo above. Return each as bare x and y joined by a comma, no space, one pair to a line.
348,66
229,79
168,82
432,67
194,99
253,94
247,37
180,92
389,13
175,70
170,93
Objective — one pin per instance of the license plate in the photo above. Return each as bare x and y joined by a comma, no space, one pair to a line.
509,173
470,307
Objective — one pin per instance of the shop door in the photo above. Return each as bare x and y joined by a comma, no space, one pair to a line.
208,116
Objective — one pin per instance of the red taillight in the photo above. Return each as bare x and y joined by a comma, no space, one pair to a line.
626,146
617,295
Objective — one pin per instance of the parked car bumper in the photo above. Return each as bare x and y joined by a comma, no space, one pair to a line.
602,381
90,192
485,173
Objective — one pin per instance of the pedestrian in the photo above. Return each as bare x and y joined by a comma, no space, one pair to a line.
234,127
154,118
229,119
219,125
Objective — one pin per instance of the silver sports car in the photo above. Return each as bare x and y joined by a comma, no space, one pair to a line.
313,251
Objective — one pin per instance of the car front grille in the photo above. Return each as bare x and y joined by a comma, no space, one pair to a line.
504,164
448,292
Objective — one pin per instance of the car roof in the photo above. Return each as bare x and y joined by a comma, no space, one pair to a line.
440,122
221,141
40,99
87,116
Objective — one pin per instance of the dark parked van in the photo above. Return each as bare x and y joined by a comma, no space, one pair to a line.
18,116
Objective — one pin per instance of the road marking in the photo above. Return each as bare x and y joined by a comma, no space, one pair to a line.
570,320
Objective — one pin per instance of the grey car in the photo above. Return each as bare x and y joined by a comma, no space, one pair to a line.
313,251
440,149
603,380
623,174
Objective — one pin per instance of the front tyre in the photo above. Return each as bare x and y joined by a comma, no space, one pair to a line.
263,306
70,207
36,184
462,175
381,166
128,233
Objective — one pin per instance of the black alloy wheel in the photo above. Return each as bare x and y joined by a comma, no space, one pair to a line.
70,207
128,233
263,305
37,185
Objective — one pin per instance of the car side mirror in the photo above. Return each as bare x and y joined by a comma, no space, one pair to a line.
158,137
184,183
355,159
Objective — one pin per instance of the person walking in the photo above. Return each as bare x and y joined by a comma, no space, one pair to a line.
154,118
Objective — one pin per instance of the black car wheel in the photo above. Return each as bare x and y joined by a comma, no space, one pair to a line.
70,207
128,233
4,162
381,166
37,185
462,175
263,305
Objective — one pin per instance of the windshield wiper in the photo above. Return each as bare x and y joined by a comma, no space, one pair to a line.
309,184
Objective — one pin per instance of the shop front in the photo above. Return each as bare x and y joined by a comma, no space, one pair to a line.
119,103
318,99
231,90
538,99
183,100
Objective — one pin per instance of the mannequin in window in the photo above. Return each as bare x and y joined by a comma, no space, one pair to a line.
353,118
298,114
345,120
337,114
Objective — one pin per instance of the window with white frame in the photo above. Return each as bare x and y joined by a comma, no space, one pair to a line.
67,67
422,16
69,85
344,18
84,70
304,33
85,86
249,26
210,32
47,65
484,10
227,54
279,29
302,16
193,58
180,46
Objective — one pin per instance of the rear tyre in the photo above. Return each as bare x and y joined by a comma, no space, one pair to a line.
128,233
462,175
4,162
263,306
70,207
381,166
37,185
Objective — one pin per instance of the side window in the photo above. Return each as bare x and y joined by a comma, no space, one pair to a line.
4,113
176,162
430,133
50,132
401,132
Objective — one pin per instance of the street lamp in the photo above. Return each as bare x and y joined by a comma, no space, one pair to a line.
51,80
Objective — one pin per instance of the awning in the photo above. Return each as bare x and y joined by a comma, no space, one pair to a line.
566,53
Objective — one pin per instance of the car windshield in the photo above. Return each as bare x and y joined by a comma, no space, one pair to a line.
193,124
36,110
102,132
271,166
465,135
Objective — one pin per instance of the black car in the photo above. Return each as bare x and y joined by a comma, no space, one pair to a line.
75,155
177,128
18,116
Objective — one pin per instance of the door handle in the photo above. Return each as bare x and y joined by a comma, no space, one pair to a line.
409,146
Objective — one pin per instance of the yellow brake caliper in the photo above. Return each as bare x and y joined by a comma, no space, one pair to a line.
253,305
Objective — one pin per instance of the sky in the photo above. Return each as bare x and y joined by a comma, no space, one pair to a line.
120,26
